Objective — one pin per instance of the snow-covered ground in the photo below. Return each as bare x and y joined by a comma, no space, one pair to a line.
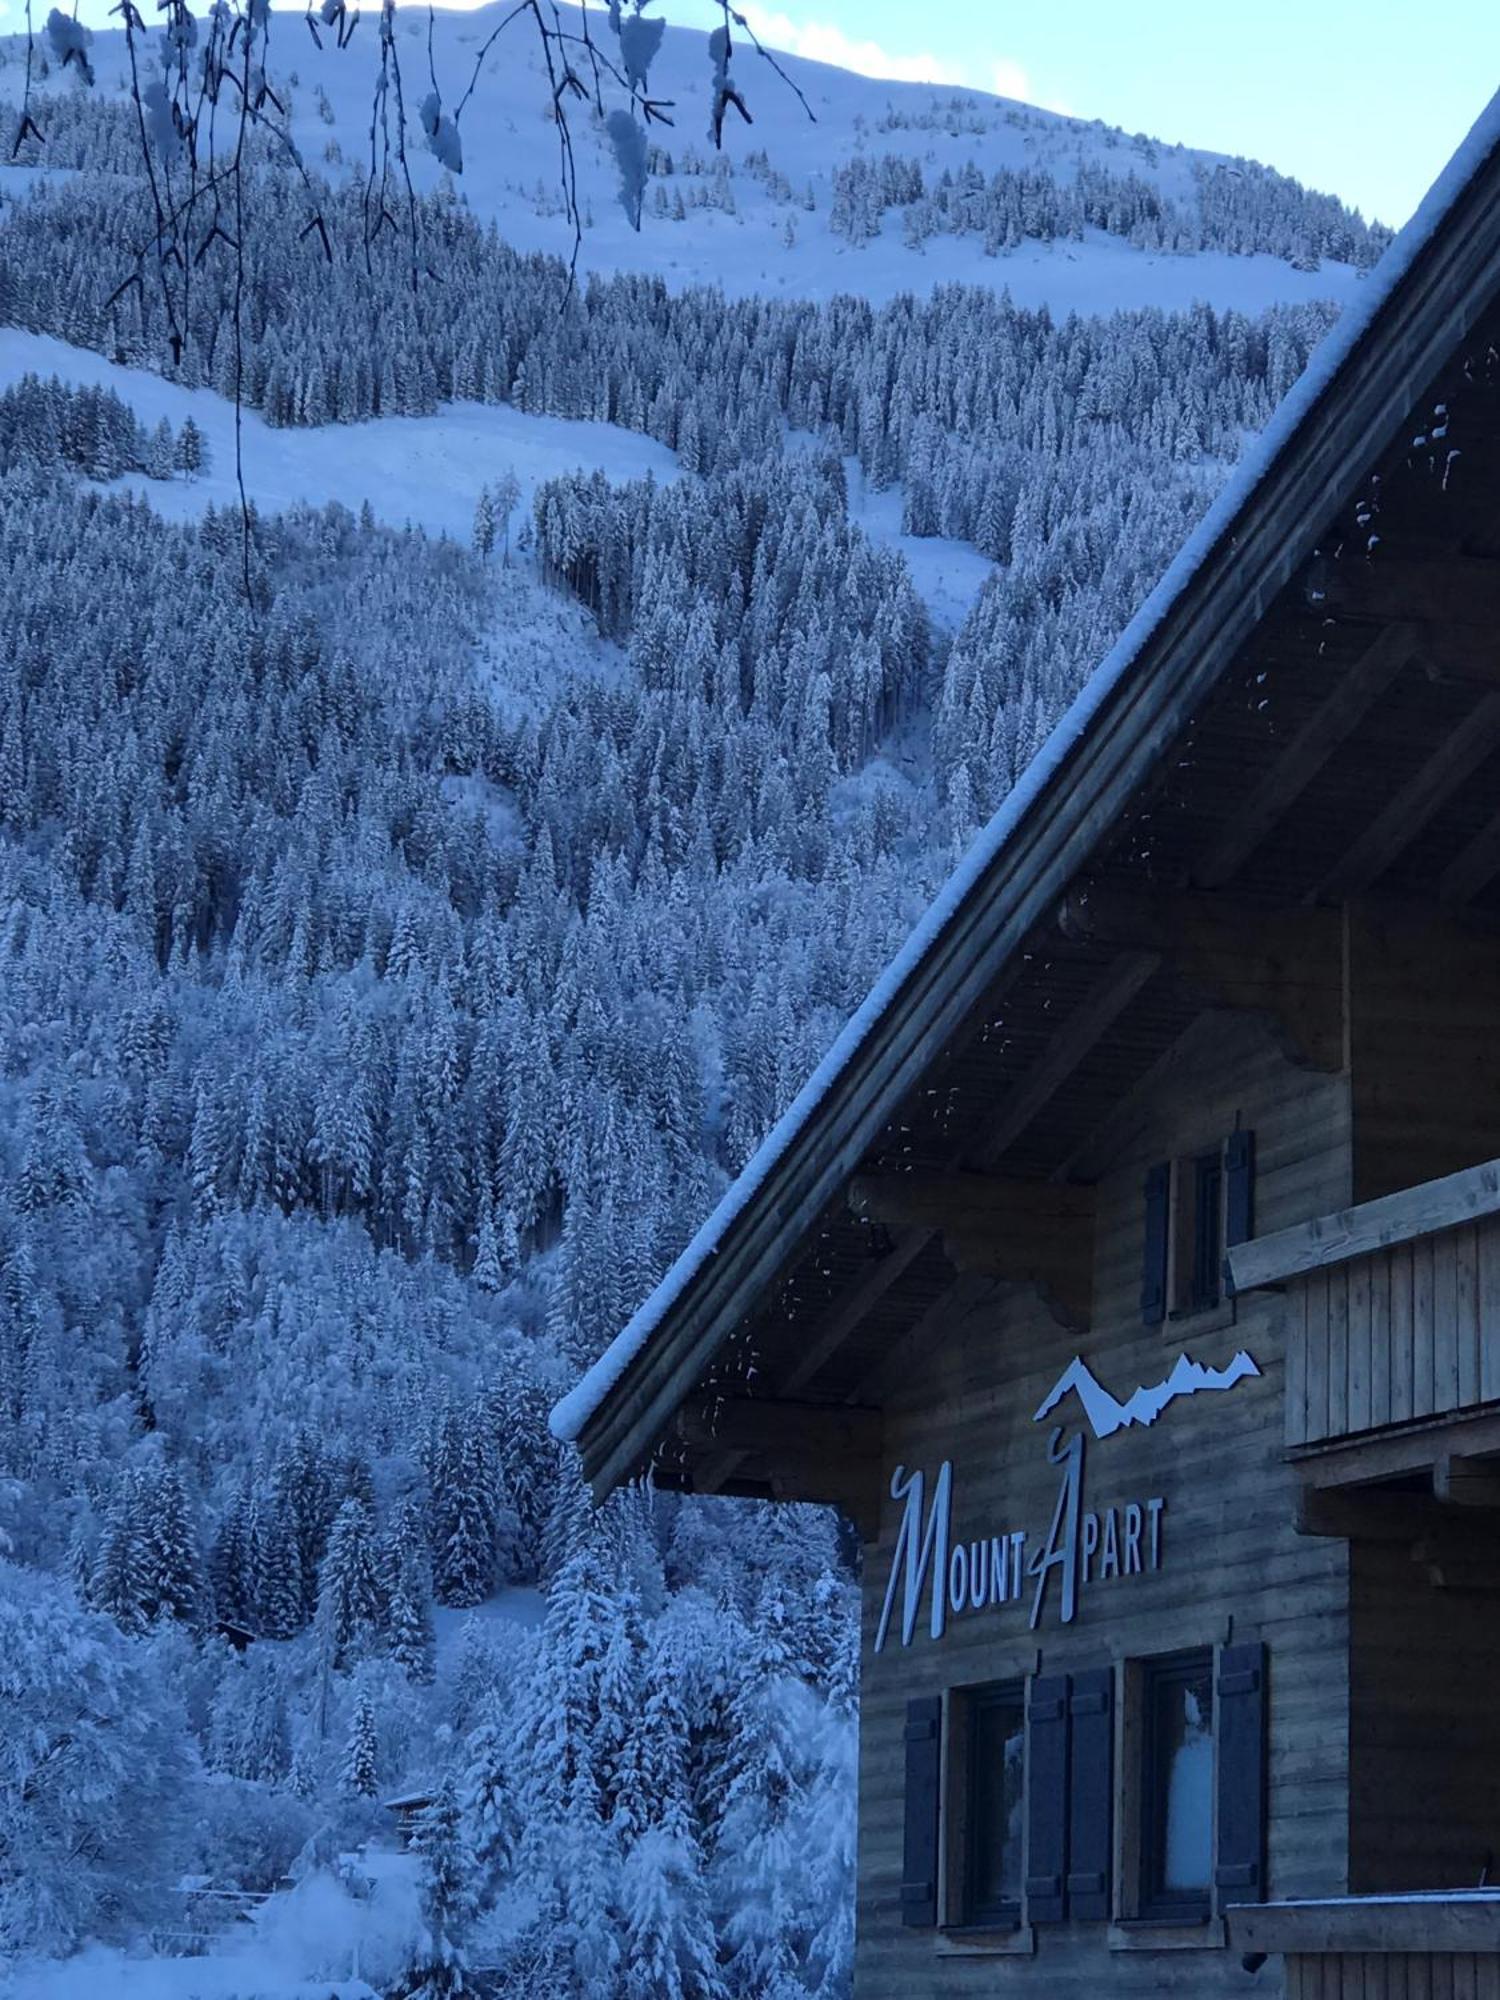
947,574
427,471
422,470
761,238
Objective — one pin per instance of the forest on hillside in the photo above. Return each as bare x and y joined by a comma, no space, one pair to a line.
380,1013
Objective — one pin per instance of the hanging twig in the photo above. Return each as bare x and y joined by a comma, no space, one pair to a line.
768,55
241,129
28,127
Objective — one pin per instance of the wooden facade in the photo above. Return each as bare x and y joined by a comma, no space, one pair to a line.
1134,1283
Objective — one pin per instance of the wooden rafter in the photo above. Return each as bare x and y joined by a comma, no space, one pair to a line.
1082,1032
1472,869
1451,588
1400,821
1023,1232
1073,1041
822,1344
1307,753
909,1348
749,1425
1285,964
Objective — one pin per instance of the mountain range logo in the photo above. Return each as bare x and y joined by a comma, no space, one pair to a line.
1106,1414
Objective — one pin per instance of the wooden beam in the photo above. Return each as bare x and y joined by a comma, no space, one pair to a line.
855,1491
1084,1029
1373,1924
1307,752
1461,1481
1025,1232
1366,1460
824,1342
1424,1210
1447,588
1285,964
1472,869
761,1427
1368,1514
910,1349
1450,1566
1400,821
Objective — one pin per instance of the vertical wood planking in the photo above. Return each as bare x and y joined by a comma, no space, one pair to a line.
1295,1321
1338,1352
1408,1332
1466,1258
1465,1977
1445,1321
1421,1328
1403,1396
1358,1294
1380,1340
1317,1357
1489,1312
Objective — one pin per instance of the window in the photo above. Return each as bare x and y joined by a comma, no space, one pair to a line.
994,1792
1196,1207
1199,1248
1177,1786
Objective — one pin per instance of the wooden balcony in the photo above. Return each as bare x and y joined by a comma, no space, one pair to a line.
1393,1323
1442,1947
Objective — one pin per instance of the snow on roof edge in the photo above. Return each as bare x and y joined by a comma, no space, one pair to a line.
573,1411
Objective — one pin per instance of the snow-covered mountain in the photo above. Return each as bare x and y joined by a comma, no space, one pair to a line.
809,202
421,890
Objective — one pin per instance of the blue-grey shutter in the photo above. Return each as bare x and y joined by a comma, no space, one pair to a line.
1047,1799
1240,1705
1091,1711
1239,1193
919,1848
1154,1253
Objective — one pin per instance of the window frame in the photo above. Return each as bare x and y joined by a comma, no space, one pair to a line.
1151,1902
961,1845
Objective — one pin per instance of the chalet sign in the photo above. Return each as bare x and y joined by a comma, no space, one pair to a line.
1081,1545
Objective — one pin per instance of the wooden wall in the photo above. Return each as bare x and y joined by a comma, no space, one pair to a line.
1370,1975
1409,1332
1424,1727
1232,1565
1422,1001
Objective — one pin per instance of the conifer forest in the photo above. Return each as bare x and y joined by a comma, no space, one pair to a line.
405,937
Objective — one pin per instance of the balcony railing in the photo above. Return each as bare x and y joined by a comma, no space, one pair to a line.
1394,1308
1441,1945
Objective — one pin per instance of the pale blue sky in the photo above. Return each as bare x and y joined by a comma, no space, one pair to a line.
1363,98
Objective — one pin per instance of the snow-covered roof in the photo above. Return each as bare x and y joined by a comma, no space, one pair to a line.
574,1411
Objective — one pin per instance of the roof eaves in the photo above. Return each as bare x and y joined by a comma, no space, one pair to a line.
919,999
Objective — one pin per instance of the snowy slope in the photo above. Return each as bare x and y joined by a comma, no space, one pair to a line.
426,471
511,153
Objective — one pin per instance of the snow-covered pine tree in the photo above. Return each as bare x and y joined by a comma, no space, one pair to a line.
191,456
484,523
351,1596
411,1634
361,1764
438,1970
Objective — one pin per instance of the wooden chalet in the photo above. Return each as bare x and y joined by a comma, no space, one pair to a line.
1130,1272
